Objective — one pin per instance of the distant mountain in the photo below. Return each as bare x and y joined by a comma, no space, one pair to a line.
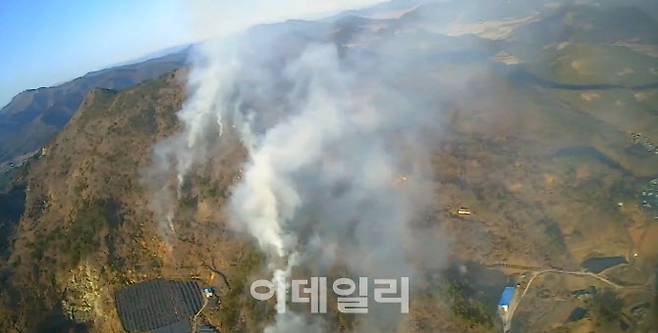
34,116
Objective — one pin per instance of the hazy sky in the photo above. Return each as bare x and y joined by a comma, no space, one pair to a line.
43,43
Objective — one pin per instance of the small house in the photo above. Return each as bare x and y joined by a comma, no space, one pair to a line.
506,299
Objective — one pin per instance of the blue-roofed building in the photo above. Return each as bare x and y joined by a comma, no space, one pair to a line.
506,298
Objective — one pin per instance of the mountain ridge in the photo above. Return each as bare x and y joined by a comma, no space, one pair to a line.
34,116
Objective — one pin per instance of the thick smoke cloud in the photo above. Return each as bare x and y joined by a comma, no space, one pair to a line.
338,170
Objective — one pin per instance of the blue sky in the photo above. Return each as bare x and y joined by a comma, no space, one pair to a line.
46,42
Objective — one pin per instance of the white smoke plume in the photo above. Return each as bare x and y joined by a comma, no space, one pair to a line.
338,169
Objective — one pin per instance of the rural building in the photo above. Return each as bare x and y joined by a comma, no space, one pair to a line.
505,307
506,299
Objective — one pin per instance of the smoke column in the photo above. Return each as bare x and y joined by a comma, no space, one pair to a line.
338,168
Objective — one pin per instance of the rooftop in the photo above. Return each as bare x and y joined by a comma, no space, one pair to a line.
506,297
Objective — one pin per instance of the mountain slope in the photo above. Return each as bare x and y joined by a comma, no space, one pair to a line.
75,202
88,222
